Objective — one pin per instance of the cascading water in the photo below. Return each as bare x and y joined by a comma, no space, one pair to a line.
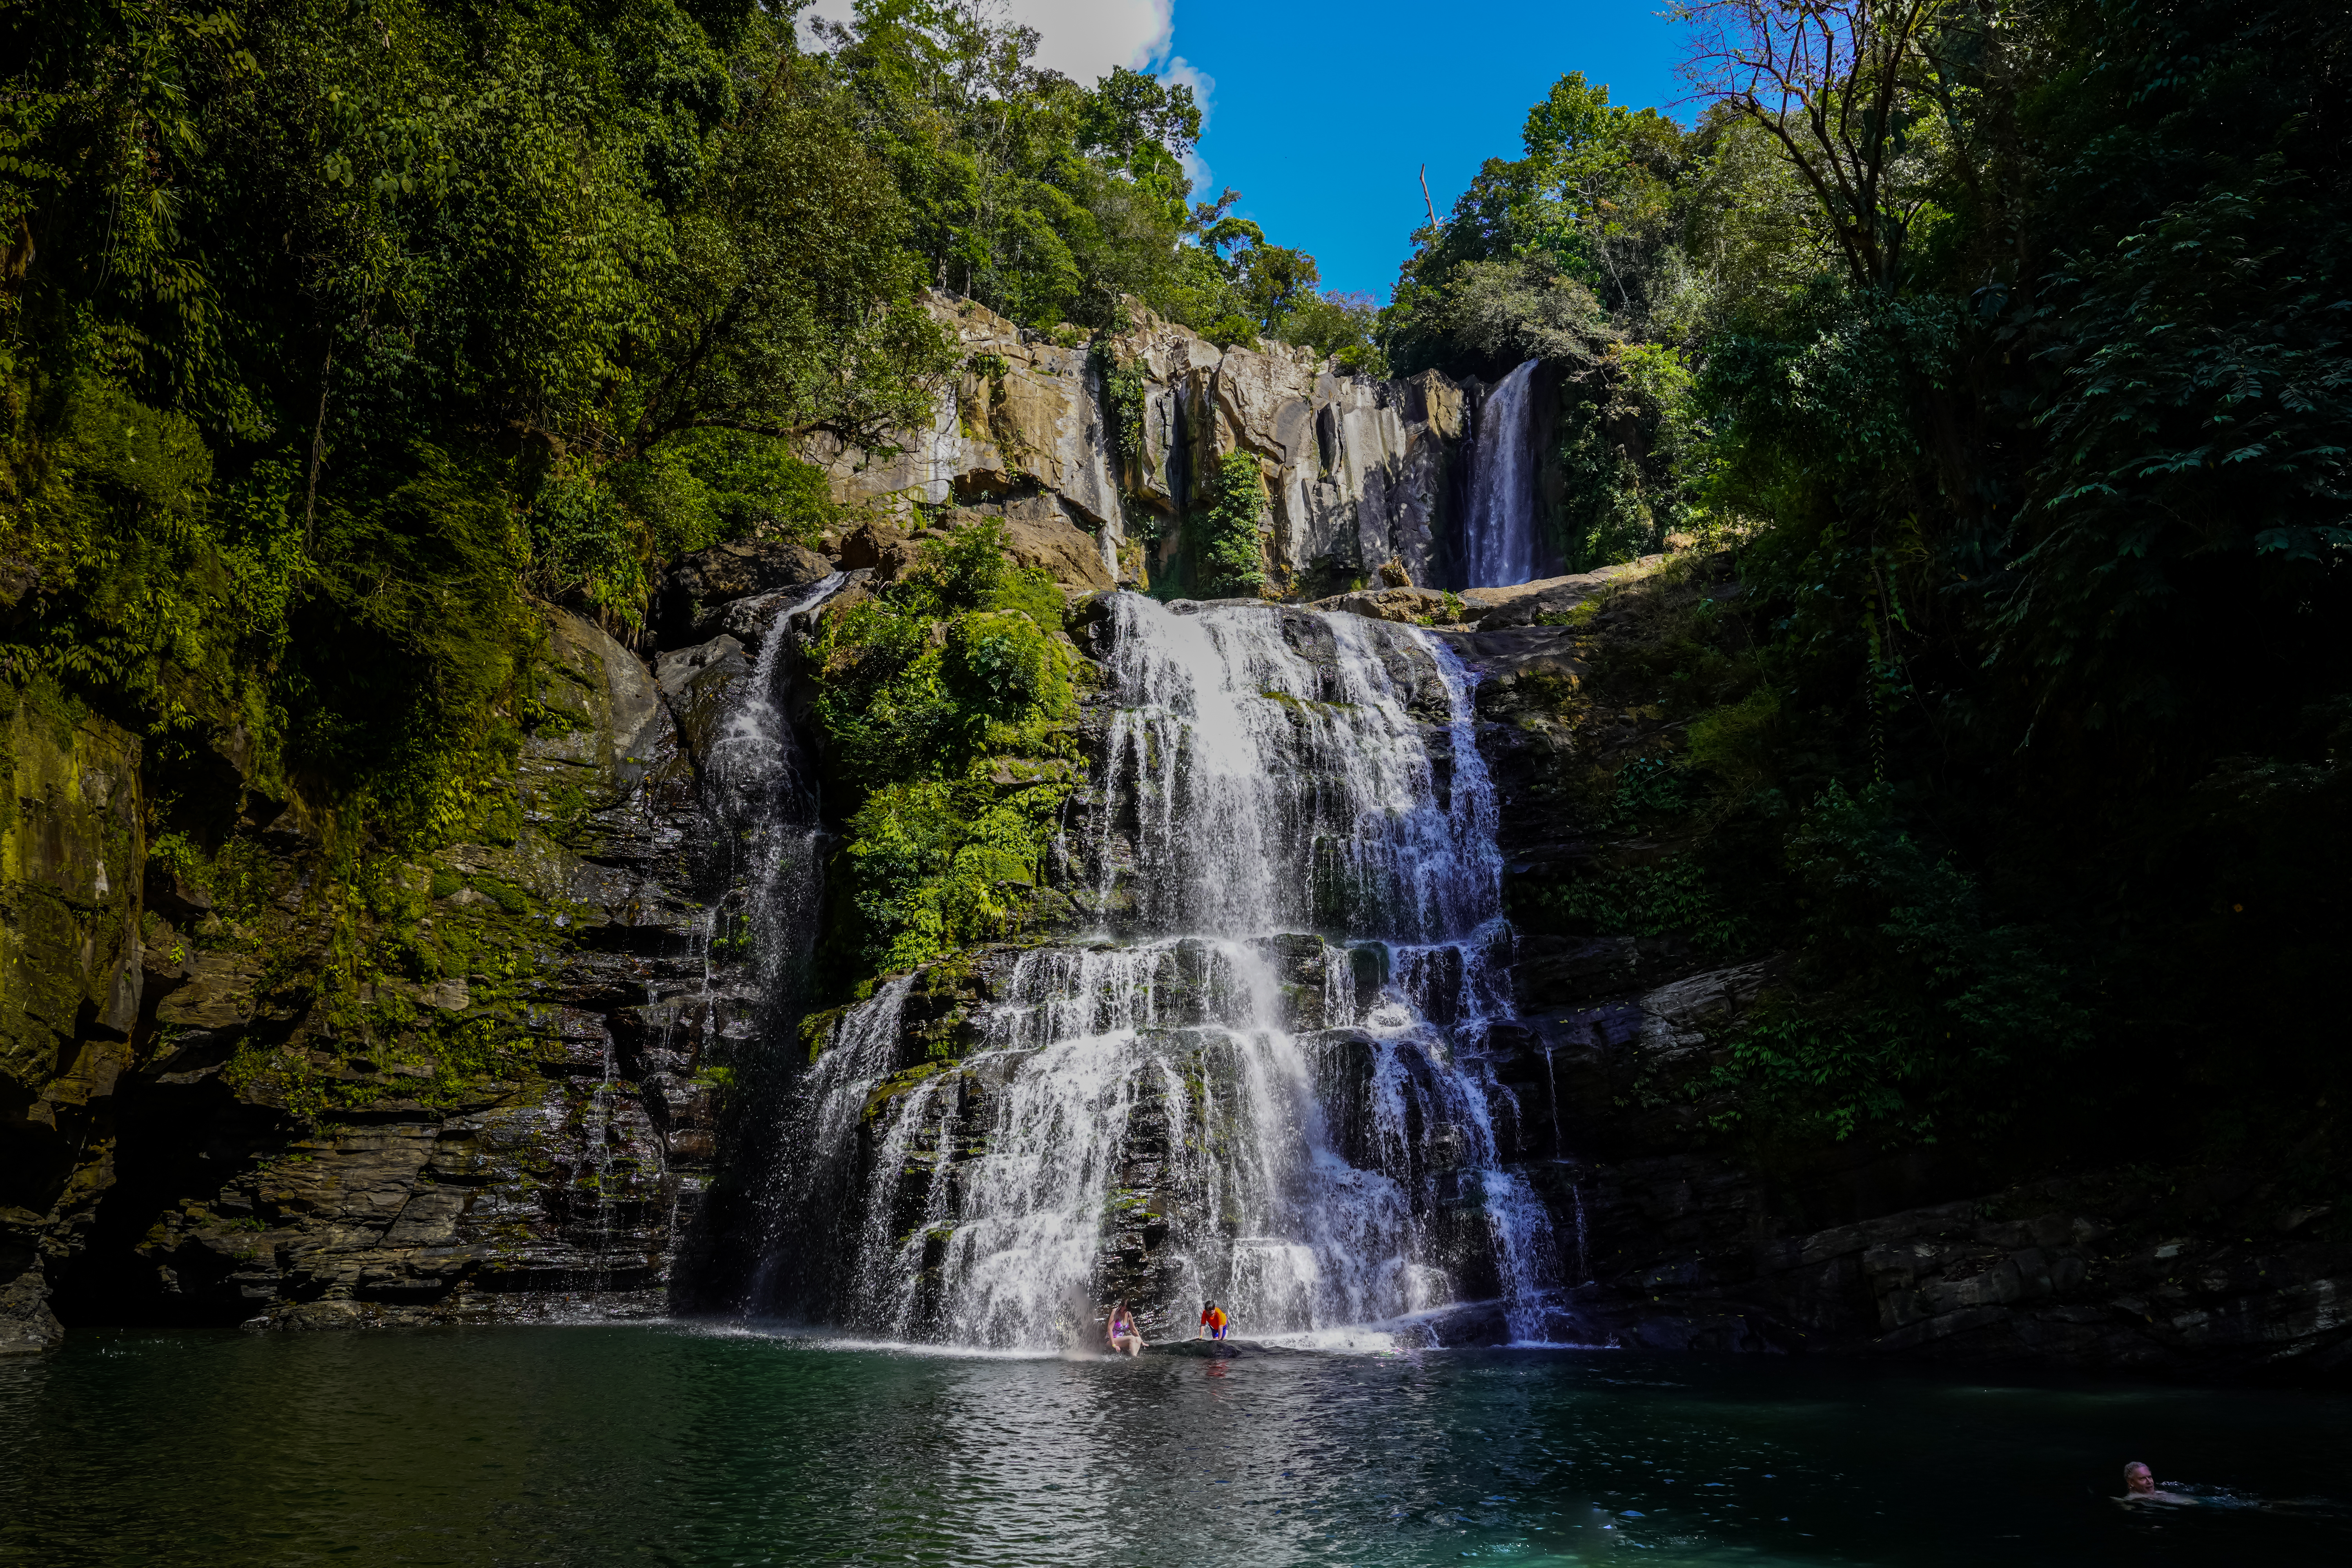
1204,1100
1498,538
759,783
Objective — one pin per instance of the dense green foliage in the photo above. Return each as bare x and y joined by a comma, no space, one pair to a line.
2025,746
331,331
1614,249
945,702
334,332
1053,203
1227,561
338,337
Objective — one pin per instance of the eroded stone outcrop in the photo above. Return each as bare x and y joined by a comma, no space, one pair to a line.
72,853
1358,472
1694,1235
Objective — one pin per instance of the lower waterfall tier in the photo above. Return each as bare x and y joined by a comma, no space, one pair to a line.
995,1157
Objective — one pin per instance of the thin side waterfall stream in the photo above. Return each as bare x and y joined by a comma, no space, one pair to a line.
1499,547
1258,1079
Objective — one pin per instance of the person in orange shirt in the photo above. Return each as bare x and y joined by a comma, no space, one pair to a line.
1212,1320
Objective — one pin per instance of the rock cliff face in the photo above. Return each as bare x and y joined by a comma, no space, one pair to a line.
1606,1109
1845,1251
72,849
1358,472
192,1135
1682,1244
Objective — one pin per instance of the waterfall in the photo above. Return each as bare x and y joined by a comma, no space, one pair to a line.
1499,537
1259,1078
759,783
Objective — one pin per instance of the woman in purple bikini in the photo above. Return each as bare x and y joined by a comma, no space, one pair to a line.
1123,1335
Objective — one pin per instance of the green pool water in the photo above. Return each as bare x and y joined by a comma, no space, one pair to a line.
666,1445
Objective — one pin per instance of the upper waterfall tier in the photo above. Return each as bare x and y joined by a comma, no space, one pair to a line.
1270,771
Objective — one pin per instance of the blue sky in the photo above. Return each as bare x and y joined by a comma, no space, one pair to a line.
1320,114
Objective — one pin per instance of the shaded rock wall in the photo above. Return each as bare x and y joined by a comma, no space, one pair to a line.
196,1130
1690,1241
1855,1251
183,1137
72,849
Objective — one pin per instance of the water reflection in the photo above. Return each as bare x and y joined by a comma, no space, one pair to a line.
587,1447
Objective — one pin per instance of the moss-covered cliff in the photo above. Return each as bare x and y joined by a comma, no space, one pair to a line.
285,1072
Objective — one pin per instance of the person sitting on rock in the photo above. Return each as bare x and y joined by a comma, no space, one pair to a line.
1123,1335
2139,1486
1213,1321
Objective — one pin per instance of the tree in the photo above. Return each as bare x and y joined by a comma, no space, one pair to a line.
1600,194
1848,88
787,303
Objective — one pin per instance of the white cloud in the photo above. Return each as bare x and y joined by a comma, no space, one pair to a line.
1184,71
1180,72
1085,39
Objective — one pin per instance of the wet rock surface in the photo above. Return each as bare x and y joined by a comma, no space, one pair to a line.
1606,1105
144,1174
1534,604
203,1144
704,585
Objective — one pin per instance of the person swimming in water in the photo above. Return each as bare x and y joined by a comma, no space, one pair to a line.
2139,1486
1123,1335
1214,1322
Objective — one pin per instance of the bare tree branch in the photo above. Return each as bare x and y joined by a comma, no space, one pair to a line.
1843,86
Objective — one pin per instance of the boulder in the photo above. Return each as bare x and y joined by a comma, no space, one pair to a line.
1521,650
1038,533
753,566
1525,603
695,685
1408,606
611,723
878,548
748,621
709,578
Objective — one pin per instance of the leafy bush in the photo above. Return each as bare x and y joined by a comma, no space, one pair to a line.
934,865
1227,560
1339,326
1123,408
1917,1015
944,702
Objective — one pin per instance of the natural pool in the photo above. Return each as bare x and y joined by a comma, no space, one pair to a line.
670,1444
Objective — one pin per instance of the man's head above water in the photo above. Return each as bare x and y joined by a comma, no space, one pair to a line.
2138,1479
